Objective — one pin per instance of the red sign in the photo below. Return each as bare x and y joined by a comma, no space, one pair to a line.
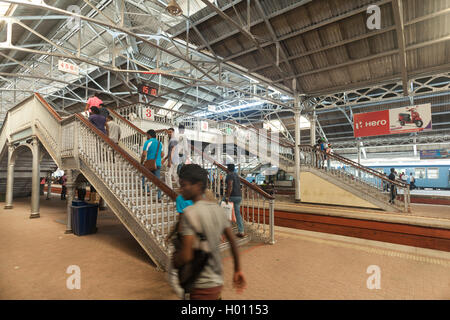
371,123
398,120
149,91
148,114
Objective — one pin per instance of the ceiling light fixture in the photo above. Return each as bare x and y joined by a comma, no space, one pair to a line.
173,8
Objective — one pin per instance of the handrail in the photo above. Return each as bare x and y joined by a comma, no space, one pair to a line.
358,166
288,145
126,121
147,173
221,166
209,120
49,108
210,159
374,172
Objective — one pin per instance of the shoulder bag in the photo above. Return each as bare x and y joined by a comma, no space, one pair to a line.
151,164
189,272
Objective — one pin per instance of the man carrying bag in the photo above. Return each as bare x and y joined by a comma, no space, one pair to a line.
151,156
197,255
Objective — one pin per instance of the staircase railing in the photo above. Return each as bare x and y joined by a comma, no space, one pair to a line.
244,136
131,183
258,206
132,138
368,180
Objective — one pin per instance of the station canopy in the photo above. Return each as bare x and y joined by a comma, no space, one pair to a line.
247,59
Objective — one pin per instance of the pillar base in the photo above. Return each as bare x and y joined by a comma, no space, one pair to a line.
8,207
35,215
68,231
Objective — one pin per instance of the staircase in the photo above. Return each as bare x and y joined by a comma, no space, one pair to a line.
129,189
75,144
361,181
258,216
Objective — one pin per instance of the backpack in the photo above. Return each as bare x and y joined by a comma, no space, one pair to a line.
189,272
104,112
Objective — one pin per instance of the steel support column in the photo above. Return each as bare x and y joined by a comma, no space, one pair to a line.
297,110
312,128
35,181
70,185
10,179
49,186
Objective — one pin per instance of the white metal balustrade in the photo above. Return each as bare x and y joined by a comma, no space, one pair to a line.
258,206
369,181
273,150
127,181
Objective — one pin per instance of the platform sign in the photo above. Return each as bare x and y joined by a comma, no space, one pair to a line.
399,120
68,67
149,114
204,125
147,90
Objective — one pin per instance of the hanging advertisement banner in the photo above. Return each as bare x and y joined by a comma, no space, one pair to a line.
399,120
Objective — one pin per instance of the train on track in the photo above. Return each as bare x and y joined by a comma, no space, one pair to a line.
428,174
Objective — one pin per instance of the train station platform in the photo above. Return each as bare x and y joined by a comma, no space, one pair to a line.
36,254
427,226
436,197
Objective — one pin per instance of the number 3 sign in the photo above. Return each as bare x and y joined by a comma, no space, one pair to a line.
148,114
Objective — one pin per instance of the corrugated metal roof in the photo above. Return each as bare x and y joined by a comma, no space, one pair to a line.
329,33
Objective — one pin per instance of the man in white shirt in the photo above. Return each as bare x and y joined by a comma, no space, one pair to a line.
183,147
172,159
112,130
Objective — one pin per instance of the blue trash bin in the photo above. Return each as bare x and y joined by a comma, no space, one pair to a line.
78,203
84,219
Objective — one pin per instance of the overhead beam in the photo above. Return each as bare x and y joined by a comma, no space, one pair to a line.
274,37
397,6
246,33
301,31
368,58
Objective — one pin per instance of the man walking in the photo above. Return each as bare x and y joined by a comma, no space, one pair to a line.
93,101
64,188
97,120
183,148
172,159
112,129
392,186
233,194
412,181
153,151
209,220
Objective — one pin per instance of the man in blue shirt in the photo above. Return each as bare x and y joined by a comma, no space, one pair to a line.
151,146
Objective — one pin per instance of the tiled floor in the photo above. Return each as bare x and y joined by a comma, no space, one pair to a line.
35,254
